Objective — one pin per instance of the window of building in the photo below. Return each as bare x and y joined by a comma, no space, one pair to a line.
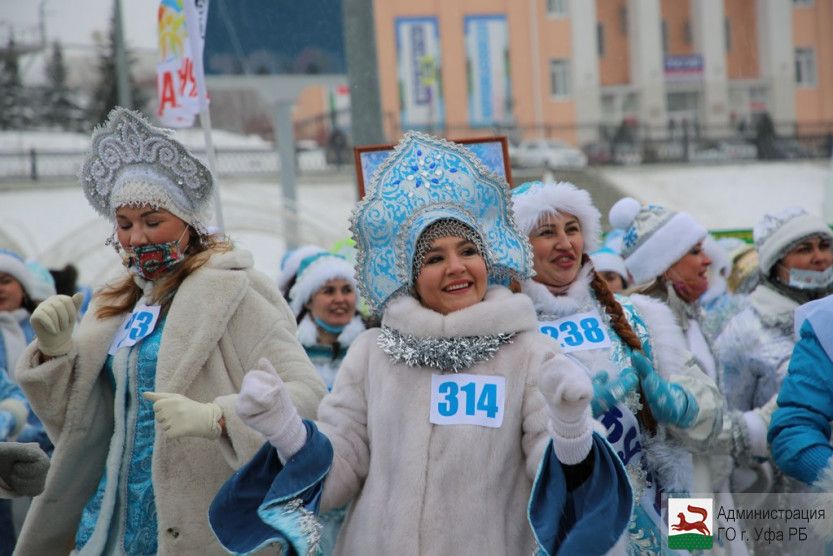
559,78
557,8
805,67
623,20
687,37
727,33
600,39
802,3
665,36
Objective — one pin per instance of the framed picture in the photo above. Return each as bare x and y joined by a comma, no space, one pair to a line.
493,152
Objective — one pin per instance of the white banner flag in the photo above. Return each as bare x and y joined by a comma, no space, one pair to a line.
179,72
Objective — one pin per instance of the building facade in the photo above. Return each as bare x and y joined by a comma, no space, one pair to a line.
576,68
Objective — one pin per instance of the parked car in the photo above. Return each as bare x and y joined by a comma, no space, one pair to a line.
602,153
550,153
789,148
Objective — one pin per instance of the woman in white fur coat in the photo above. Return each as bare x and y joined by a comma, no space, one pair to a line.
605,333
139,400
436,428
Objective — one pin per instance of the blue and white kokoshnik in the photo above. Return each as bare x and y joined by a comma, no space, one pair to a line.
426,179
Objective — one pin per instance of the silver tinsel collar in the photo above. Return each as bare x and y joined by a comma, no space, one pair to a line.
447,354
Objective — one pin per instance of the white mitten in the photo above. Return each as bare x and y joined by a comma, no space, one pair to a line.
180,416
53,321
567,390
265,405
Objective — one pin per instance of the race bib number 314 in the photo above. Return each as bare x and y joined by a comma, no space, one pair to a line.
464,399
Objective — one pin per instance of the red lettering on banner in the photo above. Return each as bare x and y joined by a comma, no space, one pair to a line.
167,94
186,77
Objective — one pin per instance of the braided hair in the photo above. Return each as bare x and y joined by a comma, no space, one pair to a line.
623,329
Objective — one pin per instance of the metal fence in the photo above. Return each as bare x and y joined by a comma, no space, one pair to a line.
37,165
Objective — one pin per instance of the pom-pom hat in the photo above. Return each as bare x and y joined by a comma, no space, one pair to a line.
534,200
423,180
132,163
655,237
777,233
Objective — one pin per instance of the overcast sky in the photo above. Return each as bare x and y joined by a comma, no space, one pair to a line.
73,22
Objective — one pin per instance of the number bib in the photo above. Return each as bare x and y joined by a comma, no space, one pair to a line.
137,325
578,332
464,399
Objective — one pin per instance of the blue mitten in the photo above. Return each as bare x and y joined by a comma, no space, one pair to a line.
670,403
608,394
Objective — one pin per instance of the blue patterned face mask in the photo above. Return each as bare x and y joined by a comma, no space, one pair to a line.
801,279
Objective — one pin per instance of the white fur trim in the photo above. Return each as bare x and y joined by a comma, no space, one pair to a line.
15,267
291,262
669,345
562,197
792,231
623,212
665,246
577,297
823,498
500,312
605,262
757,433
308,332
313,277
673,465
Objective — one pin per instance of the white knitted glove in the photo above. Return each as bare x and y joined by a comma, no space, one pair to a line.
264,405
53,321
567,390
180,416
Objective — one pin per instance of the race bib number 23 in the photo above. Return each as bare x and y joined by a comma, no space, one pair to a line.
137,326
465,399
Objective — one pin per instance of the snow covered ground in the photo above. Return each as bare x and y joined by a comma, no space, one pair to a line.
728,196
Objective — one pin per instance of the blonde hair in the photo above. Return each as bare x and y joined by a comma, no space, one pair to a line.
121,297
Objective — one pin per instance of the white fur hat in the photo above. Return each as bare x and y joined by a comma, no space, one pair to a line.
292,260
606,259
533,200
777,233
315,271
12,264
655,237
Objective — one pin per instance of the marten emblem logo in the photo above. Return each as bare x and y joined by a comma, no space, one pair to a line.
690,523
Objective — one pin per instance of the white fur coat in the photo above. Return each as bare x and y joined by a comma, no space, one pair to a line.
419,488
224,317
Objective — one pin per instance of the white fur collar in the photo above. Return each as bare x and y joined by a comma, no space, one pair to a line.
500,312
308,332
578,296
773,308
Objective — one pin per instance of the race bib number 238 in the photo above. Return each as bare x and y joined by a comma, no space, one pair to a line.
465,399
